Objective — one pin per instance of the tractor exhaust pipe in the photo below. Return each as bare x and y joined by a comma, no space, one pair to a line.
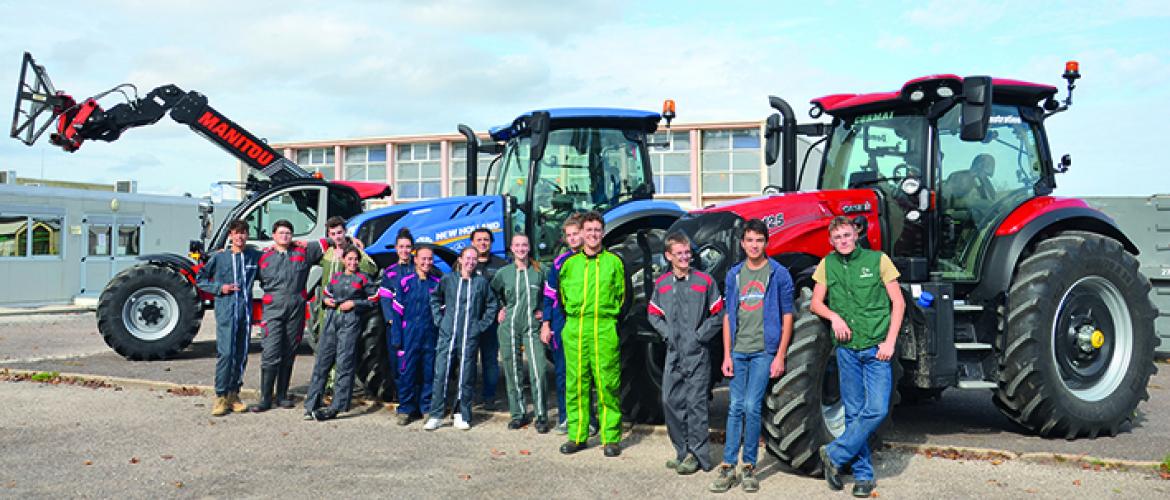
783,124
472,156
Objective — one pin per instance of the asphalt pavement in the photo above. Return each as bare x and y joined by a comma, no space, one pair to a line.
70,343
68,441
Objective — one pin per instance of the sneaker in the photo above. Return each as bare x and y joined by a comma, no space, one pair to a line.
562,428
747,477
460,423
725,480
308,416
432,424
863,489
613,450
234,403
571,447
689,465
832,475
220,408
541,426
405,419
673,463
324,414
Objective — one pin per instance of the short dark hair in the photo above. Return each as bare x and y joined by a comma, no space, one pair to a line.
481,229
426,248
404,234
592,216
351,249
238,226
282,223
573,220
333,222
755,226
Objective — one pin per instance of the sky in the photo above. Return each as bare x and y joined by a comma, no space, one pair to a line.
297,70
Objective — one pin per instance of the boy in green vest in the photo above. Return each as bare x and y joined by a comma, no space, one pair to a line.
867,311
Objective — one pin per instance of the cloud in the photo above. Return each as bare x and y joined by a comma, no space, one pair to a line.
892,43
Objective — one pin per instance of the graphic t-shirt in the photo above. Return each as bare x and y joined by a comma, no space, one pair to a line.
749,326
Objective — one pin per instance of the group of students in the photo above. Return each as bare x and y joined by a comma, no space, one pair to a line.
438,325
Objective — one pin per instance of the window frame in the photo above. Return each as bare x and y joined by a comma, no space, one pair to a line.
419,180
733,170
29,218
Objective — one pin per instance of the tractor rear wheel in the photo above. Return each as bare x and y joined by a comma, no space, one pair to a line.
803,410
374,375
148,312
1078,349
642,358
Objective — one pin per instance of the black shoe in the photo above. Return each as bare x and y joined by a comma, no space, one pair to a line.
572,447
267,379
863,489
541,426
517,423
324,414
832,476
283,400
489,405
613,450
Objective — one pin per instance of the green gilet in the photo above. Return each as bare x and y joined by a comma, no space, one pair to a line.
858,295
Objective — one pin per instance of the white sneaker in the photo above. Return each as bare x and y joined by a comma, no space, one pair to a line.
460,423
432,424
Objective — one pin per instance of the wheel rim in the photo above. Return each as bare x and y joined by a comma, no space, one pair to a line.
150,313
1092,338
832,409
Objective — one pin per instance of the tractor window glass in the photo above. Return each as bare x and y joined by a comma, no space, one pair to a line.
298,207
875,150
981,183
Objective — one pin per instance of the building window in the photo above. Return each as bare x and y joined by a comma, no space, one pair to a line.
418,171
458,163
731,161
365,163
30,236
318,160
670,158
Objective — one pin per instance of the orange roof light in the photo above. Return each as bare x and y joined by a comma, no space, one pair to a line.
318,175
668,106
1072,67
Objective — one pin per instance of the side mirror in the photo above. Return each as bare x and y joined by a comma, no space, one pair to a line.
1065,163
538,123
976,108
772,139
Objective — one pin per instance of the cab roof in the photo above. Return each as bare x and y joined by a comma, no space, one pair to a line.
645,121
1003,90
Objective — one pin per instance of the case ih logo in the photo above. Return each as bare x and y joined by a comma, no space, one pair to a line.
220,128
854,208
774,221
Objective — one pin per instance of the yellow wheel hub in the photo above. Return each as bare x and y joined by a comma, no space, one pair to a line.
1098,339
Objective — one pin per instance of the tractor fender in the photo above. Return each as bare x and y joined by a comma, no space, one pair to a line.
185,266
628,217
1032,221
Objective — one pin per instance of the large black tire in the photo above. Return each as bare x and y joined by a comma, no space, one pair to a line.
642,359
1057,376
149,312
803,410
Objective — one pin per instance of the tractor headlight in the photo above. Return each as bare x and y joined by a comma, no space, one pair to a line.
911,185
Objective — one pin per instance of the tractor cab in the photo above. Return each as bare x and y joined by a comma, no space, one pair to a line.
942,193
567,160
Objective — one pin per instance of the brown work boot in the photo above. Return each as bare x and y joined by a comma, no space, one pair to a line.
221,407
233,401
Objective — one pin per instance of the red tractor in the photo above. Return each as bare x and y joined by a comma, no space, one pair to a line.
1035,297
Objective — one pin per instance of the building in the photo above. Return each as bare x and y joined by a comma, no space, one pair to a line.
694,165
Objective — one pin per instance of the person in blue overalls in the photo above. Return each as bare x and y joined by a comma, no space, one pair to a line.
413,335
228,275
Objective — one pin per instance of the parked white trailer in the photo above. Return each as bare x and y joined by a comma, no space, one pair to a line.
1146,221
61,245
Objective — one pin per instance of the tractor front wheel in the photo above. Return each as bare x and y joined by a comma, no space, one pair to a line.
1079,345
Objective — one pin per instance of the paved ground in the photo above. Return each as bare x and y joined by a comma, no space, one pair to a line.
71,343
66,441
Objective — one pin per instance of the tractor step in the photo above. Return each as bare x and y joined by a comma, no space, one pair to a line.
976,384
963,306
972,346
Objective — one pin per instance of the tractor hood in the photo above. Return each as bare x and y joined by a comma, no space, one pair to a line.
444,222
797,223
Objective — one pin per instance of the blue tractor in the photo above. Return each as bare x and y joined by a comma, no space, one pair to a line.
548,165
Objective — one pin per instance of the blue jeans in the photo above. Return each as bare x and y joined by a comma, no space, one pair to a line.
750,380
865,391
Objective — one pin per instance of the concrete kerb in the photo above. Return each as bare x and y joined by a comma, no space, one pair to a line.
942,451
37,311
985,454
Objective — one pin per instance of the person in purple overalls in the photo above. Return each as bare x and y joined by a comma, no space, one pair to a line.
413,335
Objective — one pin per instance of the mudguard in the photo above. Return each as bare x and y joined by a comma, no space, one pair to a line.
1038,216
637,212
